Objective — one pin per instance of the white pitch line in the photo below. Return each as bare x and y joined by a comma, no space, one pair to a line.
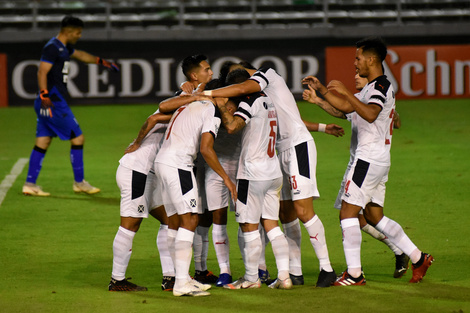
10,178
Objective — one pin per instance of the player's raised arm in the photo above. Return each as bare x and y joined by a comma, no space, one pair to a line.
339,103
235,90
171,104
366,111
151,121
86,57
310,95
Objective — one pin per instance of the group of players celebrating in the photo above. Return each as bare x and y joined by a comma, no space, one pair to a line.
245,127
238,142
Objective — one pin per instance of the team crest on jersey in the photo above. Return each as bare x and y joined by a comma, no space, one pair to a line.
193,203
141,208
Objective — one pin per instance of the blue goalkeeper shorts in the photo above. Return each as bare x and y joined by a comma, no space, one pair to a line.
62,123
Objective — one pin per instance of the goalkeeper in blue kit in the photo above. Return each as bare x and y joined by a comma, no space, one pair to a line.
54,117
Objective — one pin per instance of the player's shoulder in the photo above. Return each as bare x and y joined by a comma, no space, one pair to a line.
268,74
382,84
251,98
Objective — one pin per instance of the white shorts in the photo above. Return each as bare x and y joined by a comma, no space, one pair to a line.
217,194
365,183
134,200
298,165
179,189
153,190
257,199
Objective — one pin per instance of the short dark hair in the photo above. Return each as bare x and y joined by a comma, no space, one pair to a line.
375,45
225,69
237,76
192,62
213,84
247,65
71,21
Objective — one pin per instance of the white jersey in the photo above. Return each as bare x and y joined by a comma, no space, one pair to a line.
374,139
183,135
258,158
142,159
292,129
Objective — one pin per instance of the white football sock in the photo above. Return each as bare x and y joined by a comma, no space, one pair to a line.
252,254
197,249
316,231
204,233
168,268
222,247
397,236
122,250
183,254
352,245
369,229
281,252
264,241
171,243
241,243
294,238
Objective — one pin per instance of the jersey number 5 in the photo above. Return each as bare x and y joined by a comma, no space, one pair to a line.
272,139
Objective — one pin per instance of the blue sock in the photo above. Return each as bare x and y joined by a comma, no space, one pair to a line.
35,164
76,157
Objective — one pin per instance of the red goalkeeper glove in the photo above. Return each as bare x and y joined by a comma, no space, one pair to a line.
111,66
46,103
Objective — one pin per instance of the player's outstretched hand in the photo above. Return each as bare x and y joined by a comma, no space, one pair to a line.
46,104
338,86
111,66
335,130
310,95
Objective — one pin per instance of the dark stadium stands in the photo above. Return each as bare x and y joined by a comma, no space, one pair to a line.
164,15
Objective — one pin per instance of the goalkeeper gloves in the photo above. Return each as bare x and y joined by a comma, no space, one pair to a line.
110,66
46,104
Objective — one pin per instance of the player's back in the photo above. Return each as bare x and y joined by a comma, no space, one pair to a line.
292,130
182,138
258,158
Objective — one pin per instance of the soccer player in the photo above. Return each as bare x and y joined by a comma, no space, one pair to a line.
259,181
192,128
401,259
297,156
198,71
54,115
139,197
365,187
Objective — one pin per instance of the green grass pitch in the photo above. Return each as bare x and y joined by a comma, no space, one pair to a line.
56,252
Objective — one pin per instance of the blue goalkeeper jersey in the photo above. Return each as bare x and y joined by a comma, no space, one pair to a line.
57,54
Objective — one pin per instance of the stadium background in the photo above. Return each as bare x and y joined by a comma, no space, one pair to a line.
429,40
56,252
